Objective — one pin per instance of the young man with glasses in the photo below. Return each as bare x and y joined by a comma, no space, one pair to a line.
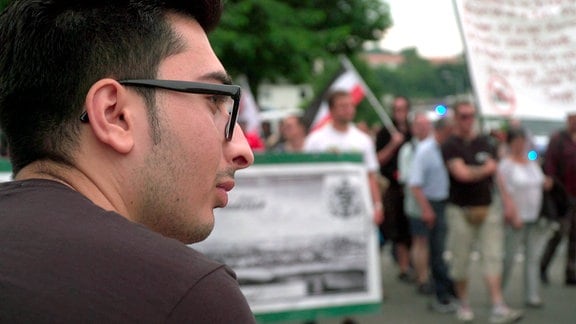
473,213
121,125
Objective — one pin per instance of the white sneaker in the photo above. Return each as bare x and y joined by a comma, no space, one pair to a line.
506,315
535,302
464,314
443,307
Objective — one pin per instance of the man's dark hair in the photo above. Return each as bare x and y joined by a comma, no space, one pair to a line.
406,99
299,119
458,104
514,133
332,96
53,51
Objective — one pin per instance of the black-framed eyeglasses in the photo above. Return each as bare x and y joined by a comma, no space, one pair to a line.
229,90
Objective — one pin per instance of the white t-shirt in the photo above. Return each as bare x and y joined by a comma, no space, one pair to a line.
523,182
328,139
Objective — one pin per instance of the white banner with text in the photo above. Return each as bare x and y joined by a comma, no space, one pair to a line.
521,55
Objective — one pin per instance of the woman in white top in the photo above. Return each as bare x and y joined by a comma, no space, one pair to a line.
524,180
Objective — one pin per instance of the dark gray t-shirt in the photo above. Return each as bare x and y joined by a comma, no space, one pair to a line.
474,152
65,260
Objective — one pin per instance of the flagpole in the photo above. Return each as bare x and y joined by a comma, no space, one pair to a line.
371,97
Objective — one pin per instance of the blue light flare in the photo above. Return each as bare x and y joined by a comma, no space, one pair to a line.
532,155
441,110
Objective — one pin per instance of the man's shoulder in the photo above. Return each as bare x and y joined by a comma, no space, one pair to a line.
427,145
457,141
559,135
357,132
383,132
319,133
454,147
505,163
452,141
406,148
97,257
383,136
484,139
423,151
57,213
315,139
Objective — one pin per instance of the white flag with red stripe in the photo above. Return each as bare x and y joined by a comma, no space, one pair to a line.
248,113
349,81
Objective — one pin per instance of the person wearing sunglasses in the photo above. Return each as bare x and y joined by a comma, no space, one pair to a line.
121,126
474,213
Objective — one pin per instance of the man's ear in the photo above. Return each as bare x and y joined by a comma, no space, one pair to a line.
109,107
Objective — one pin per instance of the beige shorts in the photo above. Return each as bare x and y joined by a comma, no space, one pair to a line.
487,238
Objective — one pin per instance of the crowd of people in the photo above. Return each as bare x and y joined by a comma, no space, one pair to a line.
444,186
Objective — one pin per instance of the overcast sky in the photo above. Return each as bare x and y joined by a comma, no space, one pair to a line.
431,26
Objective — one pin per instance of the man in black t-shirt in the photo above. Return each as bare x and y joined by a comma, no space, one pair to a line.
472,213
121,126
396,226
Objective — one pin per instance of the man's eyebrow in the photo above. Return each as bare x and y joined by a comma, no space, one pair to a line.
219,76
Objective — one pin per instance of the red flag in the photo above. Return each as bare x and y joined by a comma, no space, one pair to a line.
347,80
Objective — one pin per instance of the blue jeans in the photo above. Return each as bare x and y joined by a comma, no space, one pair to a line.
437,245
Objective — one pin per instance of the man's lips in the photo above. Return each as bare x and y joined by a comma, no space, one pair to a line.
222,192
226,185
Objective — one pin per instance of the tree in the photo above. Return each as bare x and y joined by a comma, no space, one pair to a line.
282,39
417,77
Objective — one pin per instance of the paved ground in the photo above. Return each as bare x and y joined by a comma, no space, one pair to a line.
403,305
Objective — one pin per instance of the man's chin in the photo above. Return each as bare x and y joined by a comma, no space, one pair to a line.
200,233
195,234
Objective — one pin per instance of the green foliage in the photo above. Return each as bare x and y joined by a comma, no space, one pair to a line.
416,78
3,4
419,78
271,40
365,111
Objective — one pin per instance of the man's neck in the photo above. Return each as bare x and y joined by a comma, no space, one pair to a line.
295,145
340,126
45,170
402,126
518,156
467,136
73,178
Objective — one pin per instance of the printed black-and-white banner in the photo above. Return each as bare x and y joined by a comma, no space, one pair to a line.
300,236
